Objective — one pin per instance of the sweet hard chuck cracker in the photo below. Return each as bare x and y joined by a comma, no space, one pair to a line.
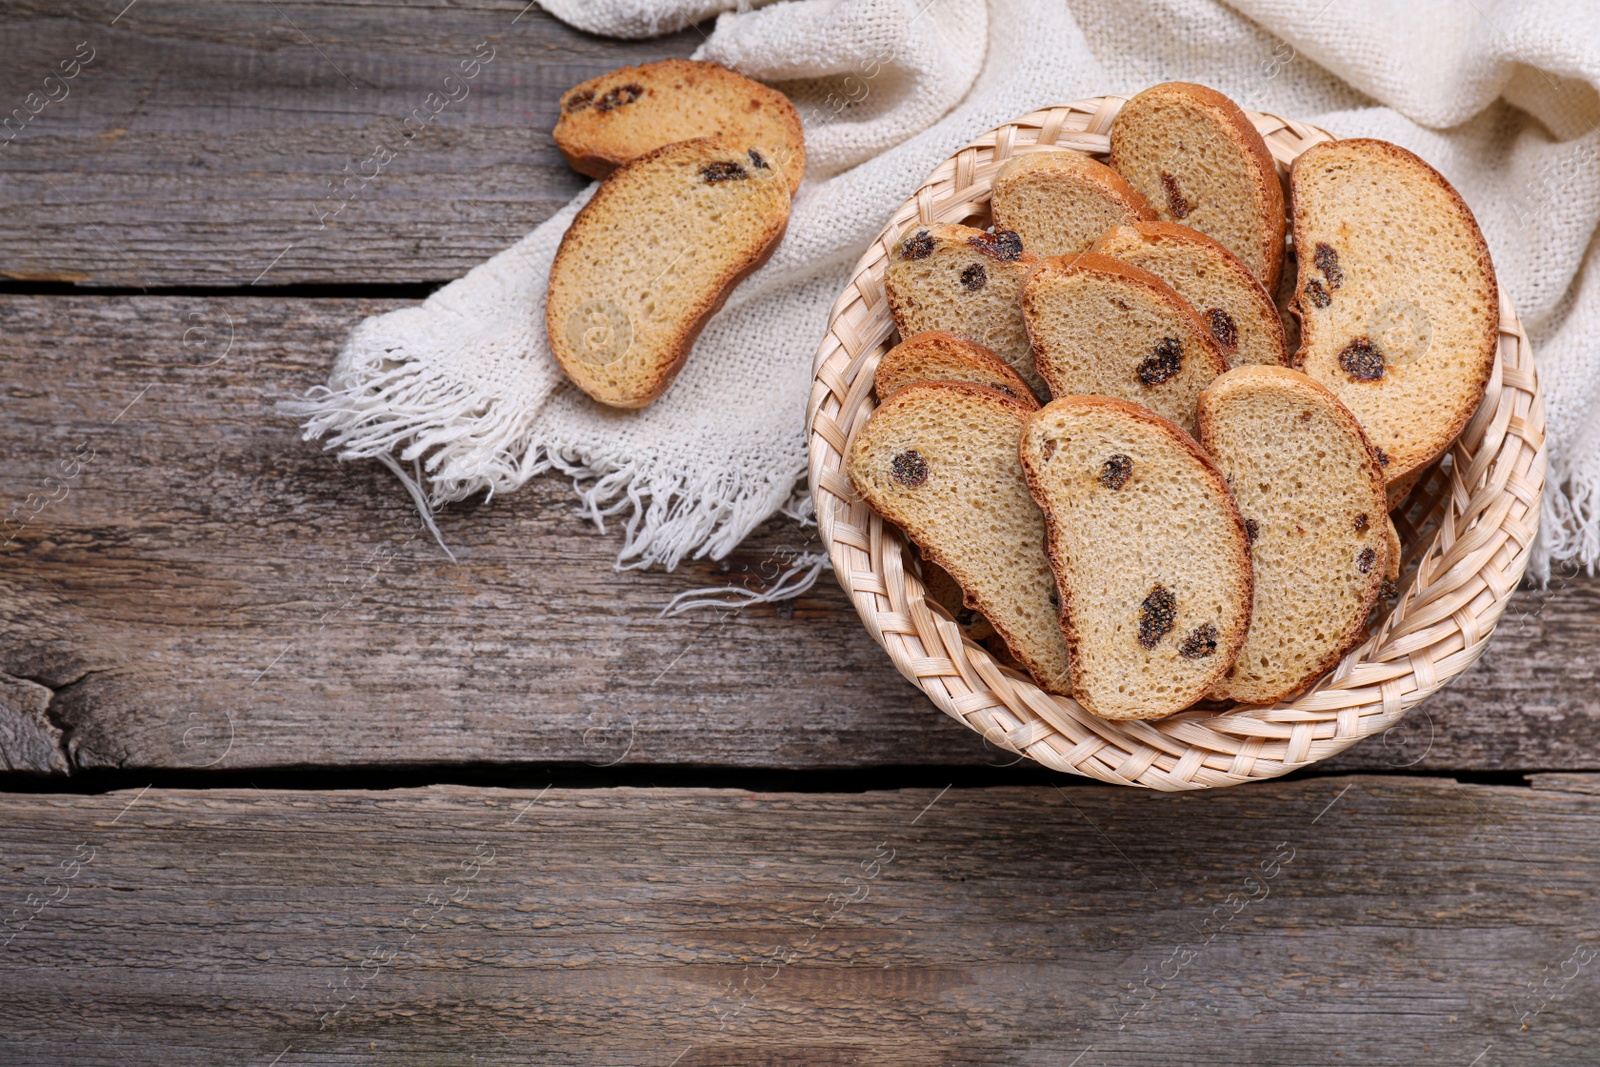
937,355
1061,201
1311,492
652,257
939,460
618,117
1240,315
1102,328
1399,309
1199,160
1149,552
964,281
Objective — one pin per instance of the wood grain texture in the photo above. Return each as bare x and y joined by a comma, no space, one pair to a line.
204,140
200,588
206,590
1339,921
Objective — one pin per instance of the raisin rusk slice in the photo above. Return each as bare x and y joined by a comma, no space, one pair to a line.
1397,298
1199,161
939,460
651,257
1303,471
1149,552
963,281
618,117
1237,311
1100,327
941,356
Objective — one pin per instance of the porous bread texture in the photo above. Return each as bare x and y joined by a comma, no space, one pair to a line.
1311,492
1199,160
1102,328
618,117
938,355
965,281
939,460
1148,550
1399,309
1242,318
1061,201
651,257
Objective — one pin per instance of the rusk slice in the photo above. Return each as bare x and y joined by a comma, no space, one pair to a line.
939,460
1103,328
1399,310
618,117
1149,553
1061,201
652,257
1242,318
965,281
1200,161
940,356
1311,492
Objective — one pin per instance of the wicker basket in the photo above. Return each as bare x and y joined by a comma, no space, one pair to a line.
1467,526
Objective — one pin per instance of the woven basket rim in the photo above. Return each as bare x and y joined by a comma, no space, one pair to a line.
1468,525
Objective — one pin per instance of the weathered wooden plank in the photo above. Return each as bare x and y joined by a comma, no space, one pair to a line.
202,589
203,142
1373,920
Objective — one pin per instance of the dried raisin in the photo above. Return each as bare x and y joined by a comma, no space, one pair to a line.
909,468
1223,329
1317,295
1327,261
578,101
1116,472
1156,616
918,246
1365,561
1176,203
1361,522
1004,245
974,278
1361,360
1201,642
1252,530
723,170
1164,364
756,160
1383,457
622,94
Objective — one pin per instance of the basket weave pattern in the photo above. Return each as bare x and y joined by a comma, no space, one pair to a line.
1468,527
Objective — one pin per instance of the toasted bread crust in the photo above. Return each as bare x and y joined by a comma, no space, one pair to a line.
1242,131
676,349
1402,470
596,140
1243,380
914,360
1239,546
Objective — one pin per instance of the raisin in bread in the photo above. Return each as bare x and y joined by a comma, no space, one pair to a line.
1199,160
1148,550
1311,492
946,592
651,257
939,460
1103,328
965,281
618,117
1399,310
1242,318
940,356
1059,202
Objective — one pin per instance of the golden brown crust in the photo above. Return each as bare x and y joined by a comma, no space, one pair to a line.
1265,170
1244,591
1489,343
584,143
899,367
915,394
678,349
1245,377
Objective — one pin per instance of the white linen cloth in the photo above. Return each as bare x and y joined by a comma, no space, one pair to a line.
1499,95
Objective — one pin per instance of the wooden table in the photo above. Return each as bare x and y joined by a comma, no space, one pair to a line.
285,786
